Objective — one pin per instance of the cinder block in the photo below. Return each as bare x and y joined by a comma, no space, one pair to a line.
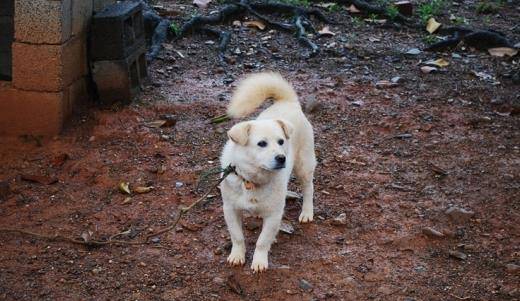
6,7
99,5
81,16
119,80
48,67
27,112
43,21
117,31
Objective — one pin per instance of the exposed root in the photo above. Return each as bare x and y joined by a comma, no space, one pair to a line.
368,8
300,34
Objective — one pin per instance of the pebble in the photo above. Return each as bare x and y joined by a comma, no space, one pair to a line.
305,285
413,51
286,227
179,184
428,231
458,214
458,255
156,240
340,220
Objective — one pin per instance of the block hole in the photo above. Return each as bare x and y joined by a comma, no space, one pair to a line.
6,39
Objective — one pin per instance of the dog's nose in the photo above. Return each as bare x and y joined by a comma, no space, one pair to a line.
280,159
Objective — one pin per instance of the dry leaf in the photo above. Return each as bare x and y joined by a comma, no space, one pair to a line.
353,9
326,5
502,51
127,200
286,227
87,235
124,187
258,24
385,84
428,69
438,63
432,25
143,189
166,122
325,31
201,3
237,23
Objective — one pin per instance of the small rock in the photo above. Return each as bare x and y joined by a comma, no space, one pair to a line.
156,240
458,255
340,220
97,270
512,268
179,184
396,79
305,285
428,231
458,214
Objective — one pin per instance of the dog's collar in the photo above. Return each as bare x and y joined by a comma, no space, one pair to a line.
248,185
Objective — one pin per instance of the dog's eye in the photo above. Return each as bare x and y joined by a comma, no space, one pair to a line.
262,143
280,141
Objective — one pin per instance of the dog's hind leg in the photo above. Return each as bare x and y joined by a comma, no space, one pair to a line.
304,170
270,228
234,224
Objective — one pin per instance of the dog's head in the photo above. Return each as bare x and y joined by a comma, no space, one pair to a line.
262,143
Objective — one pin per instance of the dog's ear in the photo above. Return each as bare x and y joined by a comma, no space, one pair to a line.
286,127
239,133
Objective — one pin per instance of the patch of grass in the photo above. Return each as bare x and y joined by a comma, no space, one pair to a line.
357,21
174,28
430,39
431,9
334,8
488,7
459,21
304,3
392,11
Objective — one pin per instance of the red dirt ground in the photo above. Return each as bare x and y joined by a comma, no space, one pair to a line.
461,149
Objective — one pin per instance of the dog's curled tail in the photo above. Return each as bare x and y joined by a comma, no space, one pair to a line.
255,89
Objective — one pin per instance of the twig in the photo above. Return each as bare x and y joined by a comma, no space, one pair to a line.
111,240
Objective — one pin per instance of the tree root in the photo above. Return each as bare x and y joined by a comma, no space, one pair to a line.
381,11
299,25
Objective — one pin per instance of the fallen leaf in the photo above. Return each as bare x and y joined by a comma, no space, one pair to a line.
428,69
372,39
124,187
127,200
258,24
326,5
353,9
413,51
201,3
437,63
39,179
237,23
325,31
87,236
385,84
286,227
482,75
502,51
167,121
432,25
143,189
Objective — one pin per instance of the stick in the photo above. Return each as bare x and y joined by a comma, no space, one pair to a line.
111,240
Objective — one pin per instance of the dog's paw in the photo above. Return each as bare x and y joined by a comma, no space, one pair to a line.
237,257
306,217
260,262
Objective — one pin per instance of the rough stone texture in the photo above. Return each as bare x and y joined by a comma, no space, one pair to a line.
101,4
43,21
48,67
119,80
81,16
27,112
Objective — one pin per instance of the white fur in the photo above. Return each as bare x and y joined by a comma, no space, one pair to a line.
282,120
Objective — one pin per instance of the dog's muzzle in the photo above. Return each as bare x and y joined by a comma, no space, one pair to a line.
280,162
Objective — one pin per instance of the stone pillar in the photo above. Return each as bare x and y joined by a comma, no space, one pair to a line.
49,64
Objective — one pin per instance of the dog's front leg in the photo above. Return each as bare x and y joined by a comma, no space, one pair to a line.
270,228
234,224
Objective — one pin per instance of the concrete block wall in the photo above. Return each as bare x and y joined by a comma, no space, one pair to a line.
49,64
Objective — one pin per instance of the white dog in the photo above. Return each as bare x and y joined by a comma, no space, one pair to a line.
263,153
